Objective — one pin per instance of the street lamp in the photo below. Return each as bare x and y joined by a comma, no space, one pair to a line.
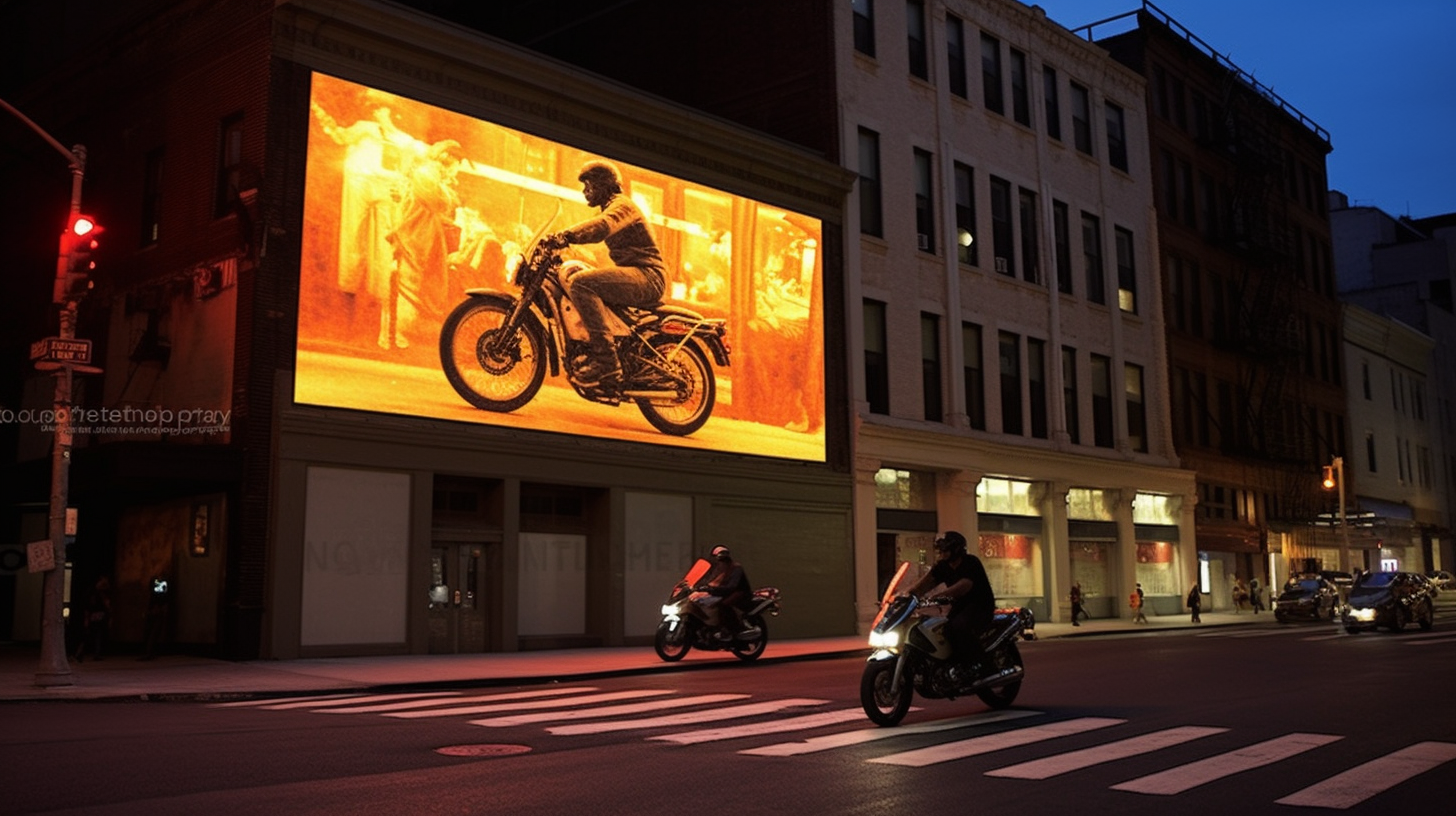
54,670
1334,479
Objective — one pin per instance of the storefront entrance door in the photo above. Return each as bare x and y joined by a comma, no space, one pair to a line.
459,598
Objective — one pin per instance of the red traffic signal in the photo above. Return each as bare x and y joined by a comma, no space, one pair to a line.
74,265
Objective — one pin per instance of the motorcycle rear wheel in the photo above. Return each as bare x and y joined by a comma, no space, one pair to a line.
882,707
1007,657
669,650
692,377
501,380
749,650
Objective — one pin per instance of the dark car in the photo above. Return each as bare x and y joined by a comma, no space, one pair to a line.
1308,598
1390,599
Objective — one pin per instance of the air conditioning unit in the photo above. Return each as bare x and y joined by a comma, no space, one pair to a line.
1002,266
922,241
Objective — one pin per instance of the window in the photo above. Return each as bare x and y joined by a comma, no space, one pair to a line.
1137,418
1081,119
1001,236
152,197
1365,378
1101,401
1020,94
1061,236
967,250
1030,257
1126,271
975,376
930,367
955,52
864,26
1010,346
1036,386
991,74
876,358
1370,451
1169,169
1069,394
1116,137
924,203
229,164
871,221
1092,258
1053,104
915,36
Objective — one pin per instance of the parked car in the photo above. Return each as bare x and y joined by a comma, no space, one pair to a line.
1431,586
1343,581
1309,598
1442,579
1390,599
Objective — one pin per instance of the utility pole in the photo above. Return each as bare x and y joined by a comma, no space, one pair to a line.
54,669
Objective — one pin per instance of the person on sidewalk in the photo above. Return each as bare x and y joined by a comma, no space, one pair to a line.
1076,597
1135,600
1195,603
1255,600
97,622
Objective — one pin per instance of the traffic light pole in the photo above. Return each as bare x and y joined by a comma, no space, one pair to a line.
54,669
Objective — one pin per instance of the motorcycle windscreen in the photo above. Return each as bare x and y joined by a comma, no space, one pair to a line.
890,592
696,572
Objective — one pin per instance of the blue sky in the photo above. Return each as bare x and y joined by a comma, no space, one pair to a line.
1379,77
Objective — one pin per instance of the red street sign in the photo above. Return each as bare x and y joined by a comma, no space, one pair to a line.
59,350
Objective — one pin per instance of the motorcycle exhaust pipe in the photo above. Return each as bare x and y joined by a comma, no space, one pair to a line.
649,395
1002,677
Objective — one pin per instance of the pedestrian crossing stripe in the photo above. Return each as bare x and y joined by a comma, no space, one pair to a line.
801,723
1185,777
271,700
1108,752
606,711
848,738
368,707
1354,786
688,718
960,749
317,704
555,702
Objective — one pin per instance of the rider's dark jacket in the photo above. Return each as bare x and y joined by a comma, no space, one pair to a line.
623,228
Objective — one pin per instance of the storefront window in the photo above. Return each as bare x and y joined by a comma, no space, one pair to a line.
1156,508
1091,567
1088,504
1005,496
1013,563
904,489
1155,568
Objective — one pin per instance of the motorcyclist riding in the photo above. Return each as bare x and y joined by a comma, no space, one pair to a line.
638,277
727,582
973,604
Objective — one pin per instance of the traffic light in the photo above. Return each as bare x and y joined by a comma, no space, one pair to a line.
1329,480
74,264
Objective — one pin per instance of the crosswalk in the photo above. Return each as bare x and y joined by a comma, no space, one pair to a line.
817,725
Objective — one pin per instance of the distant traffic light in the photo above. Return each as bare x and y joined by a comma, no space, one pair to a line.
75,264
1329,480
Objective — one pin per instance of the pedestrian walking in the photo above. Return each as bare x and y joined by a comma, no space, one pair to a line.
97,622
1255,599
1077,610
1195,603
1135,600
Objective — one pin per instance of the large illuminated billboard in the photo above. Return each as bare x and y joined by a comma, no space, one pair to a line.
439,278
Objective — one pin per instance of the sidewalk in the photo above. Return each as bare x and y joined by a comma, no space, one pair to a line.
124,677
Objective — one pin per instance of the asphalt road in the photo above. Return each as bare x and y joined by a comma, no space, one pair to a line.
1189,722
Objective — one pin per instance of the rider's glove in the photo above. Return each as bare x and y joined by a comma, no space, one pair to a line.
556,240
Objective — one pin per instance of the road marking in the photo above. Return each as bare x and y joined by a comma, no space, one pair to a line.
930,755
1185,777
271,700
352,708
537,704
848,738
802,723
607,711
1112,751
352,700
708,715
1364,781
1248,634
1336,635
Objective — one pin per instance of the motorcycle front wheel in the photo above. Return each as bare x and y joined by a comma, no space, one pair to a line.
672,646
687,372
883,707
1005,658
492,372
749,650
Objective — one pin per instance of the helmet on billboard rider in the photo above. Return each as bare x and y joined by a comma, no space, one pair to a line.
600,181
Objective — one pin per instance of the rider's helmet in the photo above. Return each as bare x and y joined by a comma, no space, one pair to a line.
951,543
720,553
601,173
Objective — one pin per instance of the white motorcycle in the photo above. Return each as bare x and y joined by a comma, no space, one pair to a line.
689,622
911,653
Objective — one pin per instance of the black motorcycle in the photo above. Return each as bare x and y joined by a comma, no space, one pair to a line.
911,654
496,349
687,625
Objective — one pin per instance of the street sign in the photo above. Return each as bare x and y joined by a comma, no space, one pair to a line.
61,350
41,555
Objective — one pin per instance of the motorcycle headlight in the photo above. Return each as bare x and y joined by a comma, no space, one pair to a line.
669,610
884,640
